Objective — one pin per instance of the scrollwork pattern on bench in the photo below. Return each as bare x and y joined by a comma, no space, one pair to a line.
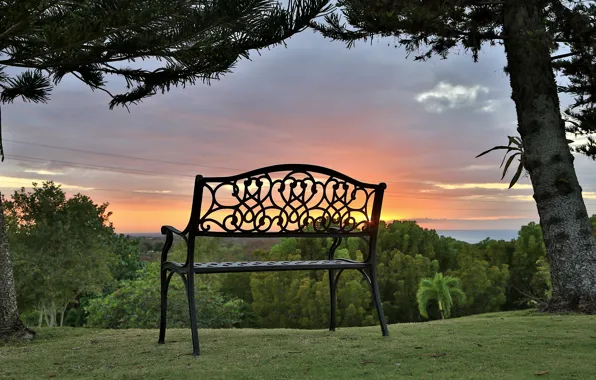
296,202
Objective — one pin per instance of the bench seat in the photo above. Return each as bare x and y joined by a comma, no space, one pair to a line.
263,266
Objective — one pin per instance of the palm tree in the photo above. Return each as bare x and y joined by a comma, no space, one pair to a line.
443,289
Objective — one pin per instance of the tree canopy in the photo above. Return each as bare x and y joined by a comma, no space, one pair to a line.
60,247
45,40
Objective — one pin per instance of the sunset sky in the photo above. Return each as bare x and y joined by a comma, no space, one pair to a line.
368,112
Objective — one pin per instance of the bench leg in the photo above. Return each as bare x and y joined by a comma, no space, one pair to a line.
332,288
165,283
374,286
190,290
333,283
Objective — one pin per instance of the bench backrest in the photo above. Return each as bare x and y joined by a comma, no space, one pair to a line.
285,200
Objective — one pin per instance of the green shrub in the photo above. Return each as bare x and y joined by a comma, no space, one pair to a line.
136,304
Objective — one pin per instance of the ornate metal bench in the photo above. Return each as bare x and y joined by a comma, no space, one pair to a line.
278,201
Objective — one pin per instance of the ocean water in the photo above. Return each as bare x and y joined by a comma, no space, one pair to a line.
475,236
469,236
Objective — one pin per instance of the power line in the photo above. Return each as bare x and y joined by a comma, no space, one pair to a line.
36,159
155,174
147,159
390,194
152,174
97,167
121,155
188,196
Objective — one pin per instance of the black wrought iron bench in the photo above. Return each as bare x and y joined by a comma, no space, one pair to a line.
278,201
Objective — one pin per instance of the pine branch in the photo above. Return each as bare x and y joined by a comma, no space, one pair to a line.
202,42
26,16
30,85
197,39
566,55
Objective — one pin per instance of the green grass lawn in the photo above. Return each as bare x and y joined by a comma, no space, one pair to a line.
518,345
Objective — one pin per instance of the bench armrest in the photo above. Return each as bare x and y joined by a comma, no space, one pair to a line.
169,229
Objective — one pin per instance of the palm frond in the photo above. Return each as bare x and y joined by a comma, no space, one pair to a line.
452,282
458,294
443,289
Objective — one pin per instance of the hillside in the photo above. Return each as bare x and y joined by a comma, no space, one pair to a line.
517,345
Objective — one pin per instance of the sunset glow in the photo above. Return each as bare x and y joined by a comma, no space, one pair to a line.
366,112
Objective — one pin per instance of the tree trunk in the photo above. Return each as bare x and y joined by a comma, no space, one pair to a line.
11,325
566,228
441,310
46,314
52,311
40,320
62,314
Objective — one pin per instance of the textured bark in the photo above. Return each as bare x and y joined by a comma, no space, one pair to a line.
11,325
566,227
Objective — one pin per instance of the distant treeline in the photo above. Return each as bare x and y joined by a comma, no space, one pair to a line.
495,275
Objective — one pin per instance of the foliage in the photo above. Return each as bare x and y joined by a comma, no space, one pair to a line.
443,289
300,299
485,285
541,284
578,67
150,246
277,295
399,277
515,146
59,248
125,266
494,275
483,270
237,285
190,39
207,249
136,304
128,254
529,250
408,237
